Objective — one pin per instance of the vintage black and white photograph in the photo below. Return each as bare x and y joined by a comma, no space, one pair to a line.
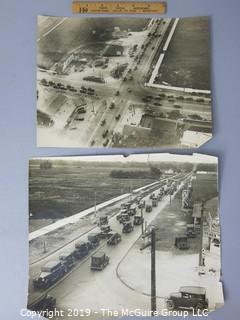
123,82
113,235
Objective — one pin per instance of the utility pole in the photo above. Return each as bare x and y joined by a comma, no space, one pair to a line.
44,246
152,243
142,226
200,262
93,110
95,204
153,272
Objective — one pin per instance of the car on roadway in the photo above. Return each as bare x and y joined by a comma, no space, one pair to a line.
105,143
105,133
129,90
78,118
127,227
157,104
103,122
188,297
81,110
114,239
177,106
118,117
112,105
99,261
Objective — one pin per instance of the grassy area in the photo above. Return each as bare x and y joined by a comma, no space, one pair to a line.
73,33
205,187
187,61
65,190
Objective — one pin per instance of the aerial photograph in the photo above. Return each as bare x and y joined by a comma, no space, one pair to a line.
123,82
113,236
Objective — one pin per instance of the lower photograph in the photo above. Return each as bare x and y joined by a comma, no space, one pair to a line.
113,236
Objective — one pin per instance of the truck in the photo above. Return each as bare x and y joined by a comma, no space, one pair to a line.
67,260
99,261
81,249
51,272
188,297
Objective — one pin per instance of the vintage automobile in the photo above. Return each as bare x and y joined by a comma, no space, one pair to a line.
93,238
127,227
81,249
67,260
138,220
50,273
190,232
141,204
154,202
148,208
114,239
182,243
105,231
99,261
46,302
123,217
103,220
132,210
188,297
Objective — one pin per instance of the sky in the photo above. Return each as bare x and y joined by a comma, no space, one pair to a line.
194,158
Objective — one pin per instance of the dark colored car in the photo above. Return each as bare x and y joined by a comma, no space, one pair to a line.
106,142
127,227
46,303
67,260
181,243
105,133
114,239
188,297
81,249
99,261
148,208
50,273
123,217
138,220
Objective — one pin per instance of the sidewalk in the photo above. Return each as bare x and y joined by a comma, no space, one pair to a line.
172,272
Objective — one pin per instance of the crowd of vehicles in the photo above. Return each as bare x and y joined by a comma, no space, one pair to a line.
129,216
60,86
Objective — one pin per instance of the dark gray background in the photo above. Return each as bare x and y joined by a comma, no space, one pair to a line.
18,136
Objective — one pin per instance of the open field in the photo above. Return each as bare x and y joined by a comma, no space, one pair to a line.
73,33
205,187
187,61
64,190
